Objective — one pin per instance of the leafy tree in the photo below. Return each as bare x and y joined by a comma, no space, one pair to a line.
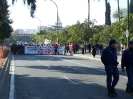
122,13
3,11
42,32
5,31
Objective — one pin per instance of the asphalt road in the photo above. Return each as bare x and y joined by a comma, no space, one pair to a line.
58,77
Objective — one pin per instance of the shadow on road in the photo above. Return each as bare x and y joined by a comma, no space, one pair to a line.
27,87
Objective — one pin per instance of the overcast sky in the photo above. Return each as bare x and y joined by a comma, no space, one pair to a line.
70,11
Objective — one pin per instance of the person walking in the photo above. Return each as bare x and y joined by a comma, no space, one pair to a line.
89,47
55,49
82,46
109,59
100,48
94,50
67,48
127,61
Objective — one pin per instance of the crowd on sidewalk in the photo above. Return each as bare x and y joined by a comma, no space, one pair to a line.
94,48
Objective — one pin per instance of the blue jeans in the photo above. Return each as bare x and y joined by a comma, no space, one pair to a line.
130,76
112,71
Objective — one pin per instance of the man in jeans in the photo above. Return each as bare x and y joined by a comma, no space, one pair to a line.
127,61
109,59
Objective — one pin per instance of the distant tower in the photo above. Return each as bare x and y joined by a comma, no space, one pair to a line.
59,22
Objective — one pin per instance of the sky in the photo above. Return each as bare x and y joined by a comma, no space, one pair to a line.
70,11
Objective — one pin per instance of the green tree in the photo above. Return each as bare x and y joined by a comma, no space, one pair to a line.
42,32
3,11
5,31
122,13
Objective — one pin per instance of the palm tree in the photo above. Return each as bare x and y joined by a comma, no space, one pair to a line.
31,3
118,10
89,10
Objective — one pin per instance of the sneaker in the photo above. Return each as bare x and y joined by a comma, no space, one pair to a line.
110,94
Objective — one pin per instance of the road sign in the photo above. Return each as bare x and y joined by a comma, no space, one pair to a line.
127,33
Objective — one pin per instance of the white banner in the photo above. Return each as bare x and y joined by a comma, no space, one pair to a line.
43,50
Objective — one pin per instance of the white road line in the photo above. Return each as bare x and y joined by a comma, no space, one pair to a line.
48,66
12,87
69,80
85,65
92,67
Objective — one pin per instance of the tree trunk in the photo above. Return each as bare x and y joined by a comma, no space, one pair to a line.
106,11
88,10
118,10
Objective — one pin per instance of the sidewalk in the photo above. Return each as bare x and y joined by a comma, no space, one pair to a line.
97,57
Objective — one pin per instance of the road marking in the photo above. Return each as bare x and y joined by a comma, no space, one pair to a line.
12,87
48,66
69,80
85,65
92,67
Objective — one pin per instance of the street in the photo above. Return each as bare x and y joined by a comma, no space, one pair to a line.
59,77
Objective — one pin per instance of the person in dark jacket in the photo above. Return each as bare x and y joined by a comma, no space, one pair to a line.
89,47
109,59
94,48
127,61
100,48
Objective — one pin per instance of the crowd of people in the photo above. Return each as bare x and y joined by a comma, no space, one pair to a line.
72,48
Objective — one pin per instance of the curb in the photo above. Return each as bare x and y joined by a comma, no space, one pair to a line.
5,64
90,58
4,70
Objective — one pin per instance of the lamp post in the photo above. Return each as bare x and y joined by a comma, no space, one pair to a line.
40,26
127,19
57,17
39,21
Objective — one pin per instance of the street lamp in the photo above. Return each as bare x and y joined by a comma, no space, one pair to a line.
127,19
57,16
39,21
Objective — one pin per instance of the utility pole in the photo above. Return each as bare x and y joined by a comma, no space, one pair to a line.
127,20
